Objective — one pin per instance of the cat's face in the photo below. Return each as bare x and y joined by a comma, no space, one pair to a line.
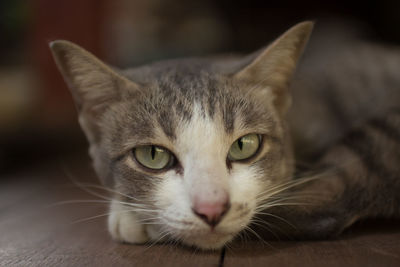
197,147
198,133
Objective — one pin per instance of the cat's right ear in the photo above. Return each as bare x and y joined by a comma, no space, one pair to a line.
273,67
93,84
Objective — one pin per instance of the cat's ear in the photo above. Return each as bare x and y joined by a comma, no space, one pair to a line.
93,84
273,67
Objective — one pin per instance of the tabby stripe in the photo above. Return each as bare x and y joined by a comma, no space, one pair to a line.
367,149
395,111
360,143
340,171
389,130
335,106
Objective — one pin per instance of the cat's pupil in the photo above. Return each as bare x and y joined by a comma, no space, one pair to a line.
153,152
240,143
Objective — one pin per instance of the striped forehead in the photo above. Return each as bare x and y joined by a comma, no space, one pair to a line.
180,100
202,134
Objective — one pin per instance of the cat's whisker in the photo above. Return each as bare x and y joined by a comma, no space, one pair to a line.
85,187
248,228
286,185
108,190
162,235
304,198
267,206
75,182
279,229
246,236
137,206
270,192
78,201
264,225
109,213
95,201
150,221
277,217
283,200
241,237
298,193
227,246
92,217
286,196
172,242
98,216
134,207
130,204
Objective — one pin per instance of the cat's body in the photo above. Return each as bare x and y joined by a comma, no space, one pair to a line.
198,111
338,86
345,118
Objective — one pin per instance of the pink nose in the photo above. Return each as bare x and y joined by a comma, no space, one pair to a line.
211,212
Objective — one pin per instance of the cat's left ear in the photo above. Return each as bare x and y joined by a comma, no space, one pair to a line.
93,84
273,68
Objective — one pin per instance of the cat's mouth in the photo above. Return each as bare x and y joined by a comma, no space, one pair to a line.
207,239
194,232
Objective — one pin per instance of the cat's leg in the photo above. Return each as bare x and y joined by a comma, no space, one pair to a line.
312,210
362,180
367,164
125,226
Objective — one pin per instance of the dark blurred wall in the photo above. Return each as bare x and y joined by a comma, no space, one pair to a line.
37,116
78,21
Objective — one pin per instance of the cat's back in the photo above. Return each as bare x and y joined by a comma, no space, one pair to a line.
341,83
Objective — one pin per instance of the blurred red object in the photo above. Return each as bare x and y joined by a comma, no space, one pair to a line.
78,21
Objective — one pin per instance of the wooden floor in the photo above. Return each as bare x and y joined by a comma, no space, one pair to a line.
38,228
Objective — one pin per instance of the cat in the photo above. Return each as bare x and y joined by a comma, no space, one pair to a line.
199,150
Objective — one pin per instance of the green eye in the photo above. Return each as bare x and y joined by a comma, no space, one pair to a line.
153,157
245,147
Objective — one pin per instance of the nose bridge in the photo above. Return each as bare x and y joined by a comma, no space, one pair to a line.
207,179
208,191
202,148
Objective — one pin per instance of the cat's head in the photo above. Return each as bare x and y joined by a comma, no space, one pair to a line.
200,143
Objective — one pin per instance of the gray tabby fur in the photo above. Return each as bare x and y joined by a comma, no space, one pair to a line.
336,89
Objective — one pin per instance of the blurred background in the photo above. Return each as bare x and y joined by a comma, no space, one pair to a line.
37,115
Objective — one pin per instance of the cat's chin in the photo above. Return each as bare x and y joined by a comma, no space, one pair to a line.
211,241
203,239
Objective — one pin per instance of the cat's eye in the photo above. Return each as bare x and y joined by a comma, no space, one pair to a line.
244,147
153,157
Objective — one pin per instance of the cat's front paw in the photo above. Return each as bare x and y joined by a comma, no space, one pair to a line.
124,226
